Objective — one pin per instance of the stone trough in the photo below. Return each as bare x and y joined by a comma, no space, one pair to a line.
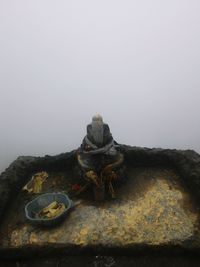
156,209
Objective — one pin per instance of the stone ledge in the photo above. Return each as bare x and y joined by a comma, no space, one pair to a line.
187,163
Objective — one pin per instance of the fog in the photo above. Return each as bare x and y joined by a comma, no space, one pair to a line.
137,63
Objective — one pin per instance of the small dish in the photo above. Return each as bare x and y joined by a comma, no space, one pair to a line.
37,204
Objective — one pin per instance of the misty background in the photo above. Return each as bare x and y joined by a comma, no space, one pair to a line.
137,63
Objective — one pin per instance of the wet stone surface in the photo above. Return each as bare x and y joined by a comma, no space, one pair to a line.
151,208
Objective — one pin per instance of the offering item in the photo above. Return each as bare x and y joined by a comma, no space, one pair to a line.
36,182
48,209
52,210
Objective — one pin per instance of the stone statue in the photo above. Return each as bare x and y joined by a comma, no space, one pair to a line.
99,158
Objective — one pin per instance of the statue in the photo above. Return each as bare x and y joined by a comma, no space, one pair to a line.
99,158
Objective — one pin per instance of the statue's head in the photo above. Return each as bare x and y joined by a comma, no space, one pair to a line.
97,117
97,129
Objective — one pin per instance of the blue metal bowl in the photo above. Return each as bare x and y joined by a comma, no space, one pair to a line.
37,204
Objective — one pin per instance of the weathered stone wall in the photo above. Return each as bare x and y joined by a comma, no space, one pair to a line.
186,162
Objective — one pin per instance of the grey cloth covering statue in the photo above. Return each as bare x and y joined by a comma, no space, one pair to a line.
99,139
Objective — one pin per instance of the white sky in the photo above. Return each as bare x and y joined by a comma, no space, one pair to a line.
135,62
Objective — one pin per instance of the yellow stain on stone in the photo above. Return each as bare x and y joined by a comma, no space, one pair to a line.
33,238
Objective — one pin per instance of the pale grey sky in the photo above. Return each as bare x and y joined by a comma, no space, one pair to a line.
135,62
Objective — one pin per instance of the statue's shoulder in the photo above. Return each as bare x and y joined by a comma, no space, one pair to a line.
89,128
106,128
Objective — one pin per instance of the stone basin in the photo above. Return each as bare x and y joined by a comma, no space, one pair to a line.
157,208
